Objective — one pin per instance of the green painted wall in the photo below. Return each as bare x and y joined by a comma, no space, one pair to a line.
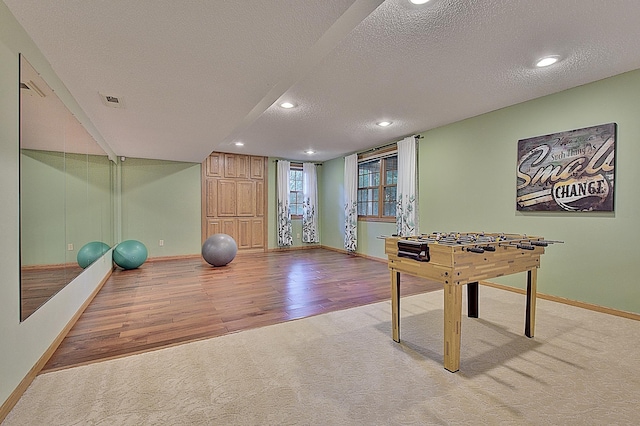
331,200
161,200
467,182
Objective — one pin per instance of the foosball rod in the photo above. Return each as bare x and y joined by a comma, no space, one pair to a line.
429,238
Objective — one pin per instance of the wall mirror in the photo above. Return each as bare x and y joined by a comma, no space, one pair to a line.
66,192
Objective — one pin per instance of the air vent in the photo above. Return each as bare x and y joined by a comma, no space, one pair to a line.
30,88
112,101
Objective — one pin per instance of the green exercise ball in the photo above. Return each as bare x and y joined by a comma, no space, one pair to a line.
130,254
91,252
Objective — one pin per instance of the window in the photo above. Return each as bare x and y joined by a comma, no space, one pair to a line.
295,191
377,181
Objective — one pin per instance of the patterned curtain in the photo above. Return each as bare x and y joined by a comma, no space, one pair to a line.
310,203
406,195
350,202
285,234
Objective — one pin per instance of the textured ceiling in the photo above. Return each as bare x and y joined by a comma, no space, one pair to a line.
197,76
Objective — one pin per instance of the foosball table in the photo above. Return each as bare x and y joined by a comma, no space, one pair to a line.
458,259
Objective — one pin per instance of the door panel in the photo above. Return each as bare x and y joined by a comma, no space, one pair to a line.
234,191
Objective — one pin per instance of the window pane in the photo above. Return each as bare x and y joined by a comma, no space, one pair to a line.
389,209
295,191
362,201
369,173
392,162
390,201
391,177
370,166
390,194
374,179
391,170
362,209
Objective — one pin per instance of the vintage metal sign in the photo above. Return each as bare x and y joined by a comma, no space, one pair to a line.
567,171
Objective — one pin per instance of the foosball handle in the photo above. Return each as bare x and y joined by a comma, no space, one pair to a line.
539,243
525,247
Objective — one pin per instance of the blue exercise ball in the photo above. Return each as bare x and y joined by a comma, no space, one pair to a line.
130,254
219,249
91,252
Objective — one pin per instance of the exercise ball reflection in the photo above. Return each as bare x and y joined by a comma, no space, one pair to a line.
130,254
219,249
91,252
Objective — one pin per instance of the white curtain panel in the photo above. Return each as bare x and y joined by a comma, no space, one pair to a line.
285,235
310,204
350,202
406,191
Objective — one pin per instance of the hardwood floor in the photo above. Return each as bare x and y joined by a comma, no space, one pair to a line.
164,303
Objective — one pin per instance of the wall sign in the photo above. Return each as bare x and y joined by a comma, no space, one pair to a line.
567,171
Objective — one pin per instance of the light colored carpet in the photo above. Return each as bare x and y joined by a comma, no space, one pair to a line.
343,368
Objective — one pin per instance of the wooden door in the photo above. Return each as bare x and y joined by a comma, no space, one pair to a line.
234,199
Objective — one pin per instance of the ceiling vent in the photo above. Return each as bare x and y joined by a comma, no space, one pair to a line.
30,88
112,101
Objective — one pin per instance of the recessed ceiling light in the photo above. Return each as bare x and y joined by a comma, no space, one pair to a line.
384,123
238,143
419,1
310,151
546,61
287,105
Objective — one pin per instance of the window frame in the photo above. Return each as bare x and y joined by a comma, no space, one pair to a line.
296,167
382,155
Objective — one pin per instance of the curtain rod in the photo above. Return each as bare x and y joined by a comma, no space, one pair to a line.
300,162
385,146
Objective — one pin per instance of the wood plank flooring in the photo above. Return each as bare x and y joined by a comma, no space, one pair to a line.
168,302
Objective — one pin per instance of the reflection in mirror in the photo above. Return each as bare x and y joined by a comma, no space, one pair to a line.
65,192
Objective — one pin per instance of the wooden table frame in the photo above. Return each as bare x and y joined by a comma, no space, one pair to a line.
454,266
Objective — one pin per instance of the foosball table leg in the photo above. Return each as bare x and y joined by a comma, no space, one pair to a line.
452,326
472,300
395,304
530,319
